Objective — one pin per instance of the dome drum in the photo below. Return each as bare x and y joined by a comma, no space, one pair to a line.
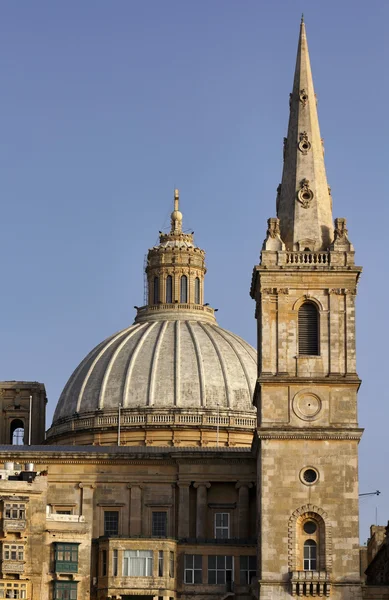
148,427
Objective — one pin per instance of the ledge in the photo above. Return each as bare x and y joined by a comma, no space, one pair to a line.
335,433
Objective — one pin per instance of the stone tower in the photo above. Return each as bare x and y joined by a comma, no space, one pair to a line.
306,393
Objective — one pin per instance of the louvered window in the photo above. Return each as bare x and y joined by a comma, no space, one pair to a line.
308,329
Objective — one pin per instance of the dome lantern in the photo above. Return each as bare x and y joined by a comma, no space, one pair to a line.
175,271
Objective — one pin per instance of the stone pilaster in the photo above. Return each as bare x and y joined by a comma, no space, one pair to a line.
243,508
136,510
201,508
183,510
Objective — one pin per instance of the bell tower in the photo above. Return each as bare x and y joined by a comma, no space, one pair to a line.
306,393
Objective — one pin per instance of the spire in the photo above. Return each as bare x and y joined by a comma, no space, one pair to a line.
304,204
176,216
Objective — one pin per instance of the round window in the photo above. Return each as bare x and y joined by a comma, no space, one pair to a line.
310,527
309,476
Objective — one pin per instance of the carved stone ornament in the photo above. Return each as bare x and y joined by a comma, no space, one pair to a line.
273,228
273,241
341,241
304,144
285,146
340,229
283,291
303,97
290,99
305,194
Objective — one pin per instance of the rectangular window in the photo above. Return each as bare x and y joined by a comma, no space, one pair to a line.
220,569
111,522
13,552
193,568
248,569
159,524
104,563
137,563
12,589
65,590
160,563
310,555
171,564
222,525
66,558
115,563
14,511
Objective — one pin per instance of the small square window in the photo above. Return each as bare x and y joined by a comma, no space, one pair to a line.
193,566
248,569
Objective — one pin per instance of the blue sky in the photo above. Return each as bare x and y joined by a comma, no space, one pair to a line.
107,106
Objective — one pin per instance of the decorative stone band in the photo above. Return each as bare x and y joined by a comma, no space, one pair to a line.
312,434
131,419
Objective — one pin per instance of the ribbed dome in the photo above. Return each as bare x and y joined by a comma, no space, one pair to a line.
169,363
174,377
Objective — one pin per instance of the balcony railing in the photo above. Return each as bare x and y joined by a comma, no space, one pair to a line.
130,418
65,518
14,524
66,566
12,566
310,583
307,258
220,541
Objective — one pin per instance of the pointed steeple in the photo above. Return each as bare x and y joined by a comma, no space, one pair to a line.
304,204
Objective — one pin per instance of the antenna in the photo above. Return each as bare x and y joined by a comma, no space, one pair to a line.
145,290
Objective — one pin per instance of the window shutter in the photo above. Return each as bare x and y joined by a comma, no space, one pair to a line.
308,324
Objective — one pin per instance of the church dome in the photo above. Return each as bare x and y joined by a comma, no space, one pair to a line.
172,378
177,363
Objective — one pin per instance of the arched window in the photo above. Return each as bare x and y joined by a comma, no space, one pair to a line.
169,289
17,432
310,555
156,290
197,290
184,289
308,334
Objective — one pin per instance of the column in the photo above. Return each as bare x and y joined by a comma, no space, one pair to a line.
183,510
243,508
201,508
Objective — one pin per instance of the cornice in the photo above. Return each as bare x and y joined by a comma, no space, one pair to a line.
339,380
311,434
